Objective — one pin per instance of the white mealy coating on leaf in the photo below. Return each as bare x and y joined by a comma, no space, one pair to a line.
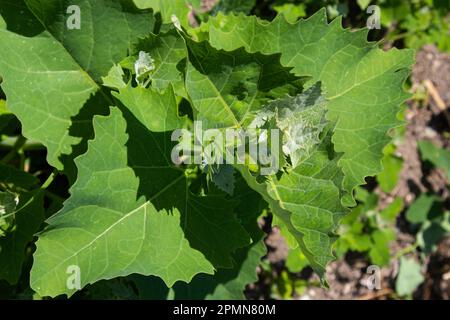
300,118
8,202
142,67
176,22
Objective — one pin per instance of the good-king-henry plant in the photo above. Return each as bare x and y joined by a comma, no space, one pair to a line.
116,103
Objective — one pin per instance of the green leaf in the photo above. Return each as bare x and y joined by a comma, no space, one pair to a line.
2,23
394,11
284,231
363,84
226,283
390,213
379,253
363,4
440,157
167,50
44,96
301,120
223,177
25,211
7,203
431,233
333,95
229,284
420,210
409,277
3,109
16,180
158,111
114,79
24,23
233,94
225,6
115,289
28,219
296,260
57,87
234,85
5,115
291,11
351,233
307,200
392,166
108,30
353,241
434,228
151,225
297,191
167,8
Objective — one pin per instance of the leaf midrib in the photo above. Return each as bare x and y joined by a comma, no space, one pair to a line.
103,233
81,70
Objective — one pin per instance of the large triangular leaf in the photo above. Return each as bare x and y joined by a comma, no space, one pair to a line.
229,88
151,225
168,50
131,210
46,95
226,283
29,215
307,201
25,216
158,111
48,78
362,83
108,29
301,120
15,179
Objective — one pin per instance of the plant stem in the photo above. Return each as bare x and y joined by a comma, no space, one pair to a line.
9,142
49,180
406,250
400,36
42,188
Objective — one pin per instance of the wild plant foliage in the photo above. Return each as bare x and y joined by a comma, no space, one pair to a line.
105,99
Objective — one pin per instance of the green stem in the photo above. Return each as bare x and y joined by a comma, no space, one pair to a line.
400,36
49,180
9,142
20,142
42,188
406,250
